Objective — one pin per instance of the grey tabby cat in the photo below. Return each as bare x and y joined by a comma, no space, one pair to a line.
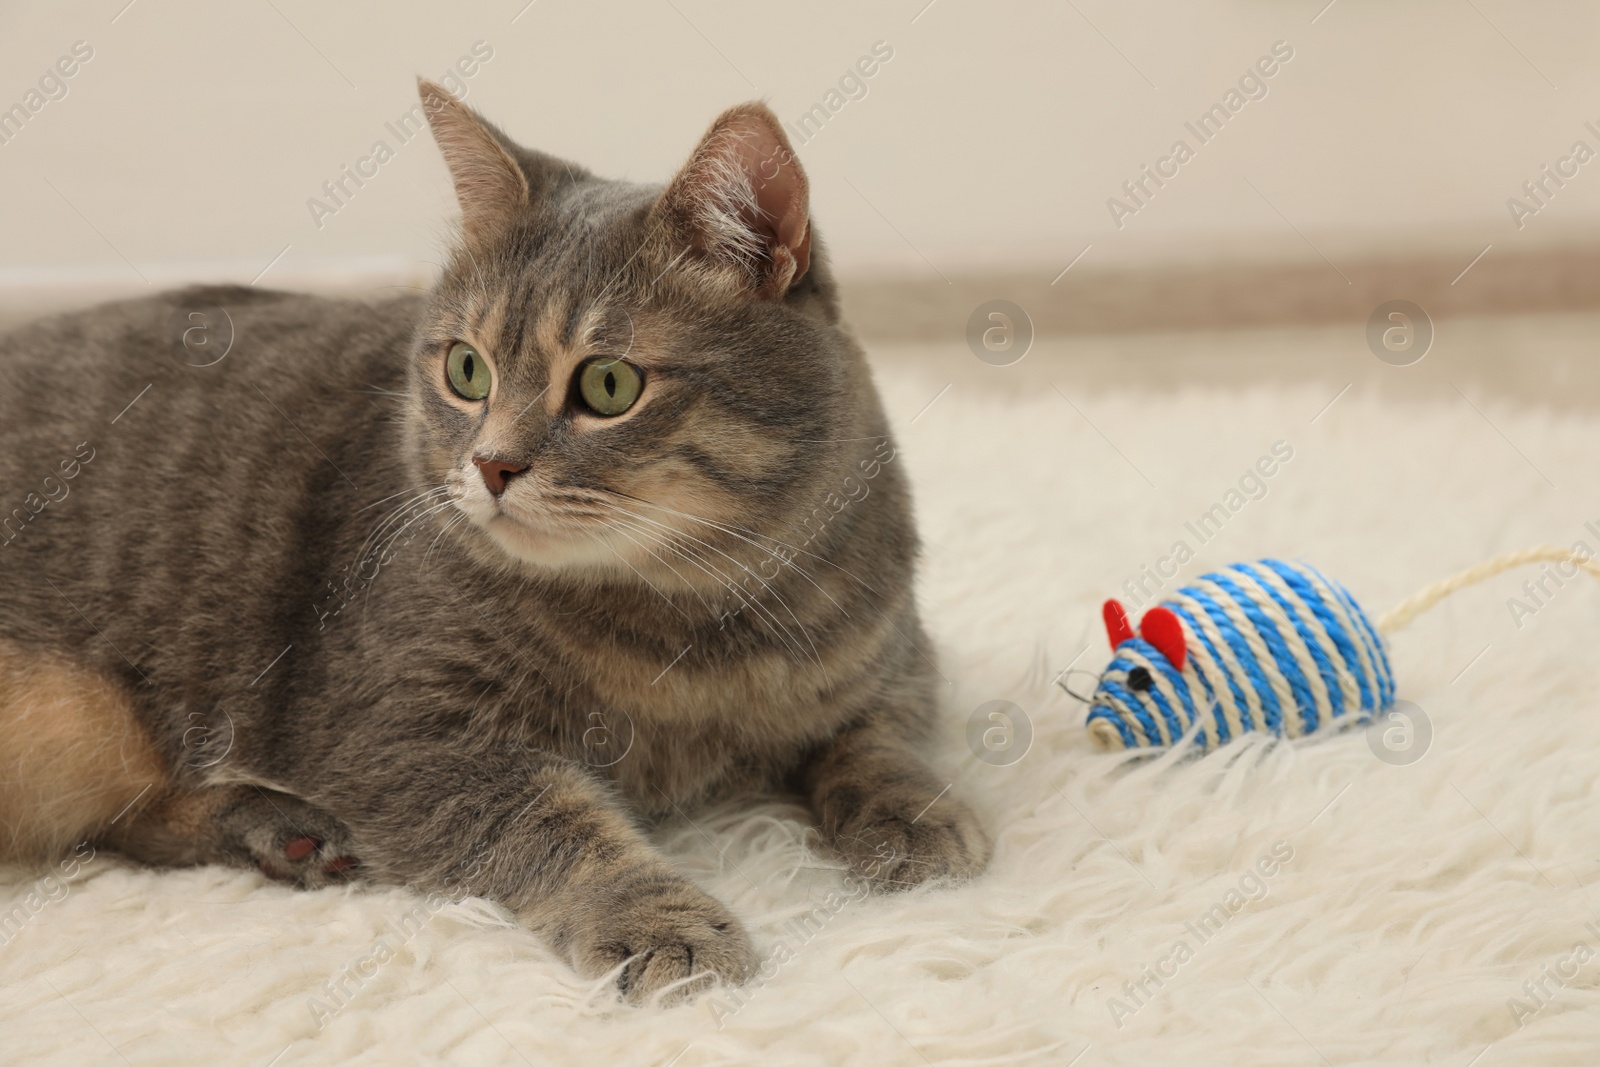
665,555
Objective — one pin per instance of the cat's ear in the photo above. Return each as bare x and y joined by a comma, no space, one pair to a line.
743,201
490,185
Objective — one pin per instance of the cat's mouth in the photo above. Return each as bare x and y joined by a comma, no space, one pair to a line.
533,544
550,525
545,545
535,533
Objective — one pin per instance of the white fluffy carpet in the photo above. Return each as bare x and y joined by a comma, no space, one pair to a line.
1415,903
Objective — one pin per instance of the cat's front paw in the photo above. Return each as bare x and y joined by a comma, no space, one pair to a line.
896,839
664,930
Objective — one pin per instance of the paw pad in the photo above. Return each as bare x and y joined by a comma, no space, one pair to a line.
299,848
341,864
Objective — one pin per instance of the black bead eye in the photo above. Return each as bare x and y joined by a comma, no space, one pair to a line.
1139,679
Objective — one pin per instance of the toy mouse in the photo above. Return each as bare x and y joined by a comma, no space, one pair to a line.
1273,646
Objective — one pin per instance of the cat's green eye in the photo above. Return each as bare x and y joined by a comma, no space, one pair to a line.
609,386
468,371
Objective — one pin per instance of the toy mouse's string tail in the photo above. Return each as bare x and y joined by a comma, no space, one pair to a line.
1408,609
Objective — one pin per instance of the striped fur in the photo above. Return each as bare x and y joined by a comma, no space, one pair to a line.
292,548
1273,646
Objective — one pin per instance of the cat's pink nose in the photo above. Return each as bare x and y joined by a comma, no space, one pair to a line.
497,473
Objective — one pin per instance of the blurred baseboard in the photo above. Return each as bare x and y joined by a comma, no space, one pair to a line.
1232,295
1154,297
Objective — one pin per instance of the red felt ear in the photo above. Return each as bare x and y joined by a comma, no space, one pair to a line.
1161,628
1117,626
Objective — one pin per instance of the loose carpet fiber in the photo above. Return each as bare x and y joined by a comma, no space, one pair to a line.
1270,903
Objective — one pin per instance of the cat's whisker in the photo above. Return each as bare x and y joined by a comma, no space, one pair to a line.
742,566
735,529
390,538
657,540
636,571
726,529
603,495
698,562
391,496
395,515
368,548
398,511
450,524
430,510
706,566
748,600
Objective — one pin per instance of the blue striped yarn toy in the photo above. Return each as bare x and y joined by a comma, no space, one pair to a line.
1271,646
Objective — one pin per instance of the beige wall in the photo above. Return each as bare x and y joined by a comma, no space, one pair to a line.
192,140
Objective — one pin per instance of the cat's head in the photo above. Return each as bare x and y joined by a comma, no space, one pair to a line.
605,365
